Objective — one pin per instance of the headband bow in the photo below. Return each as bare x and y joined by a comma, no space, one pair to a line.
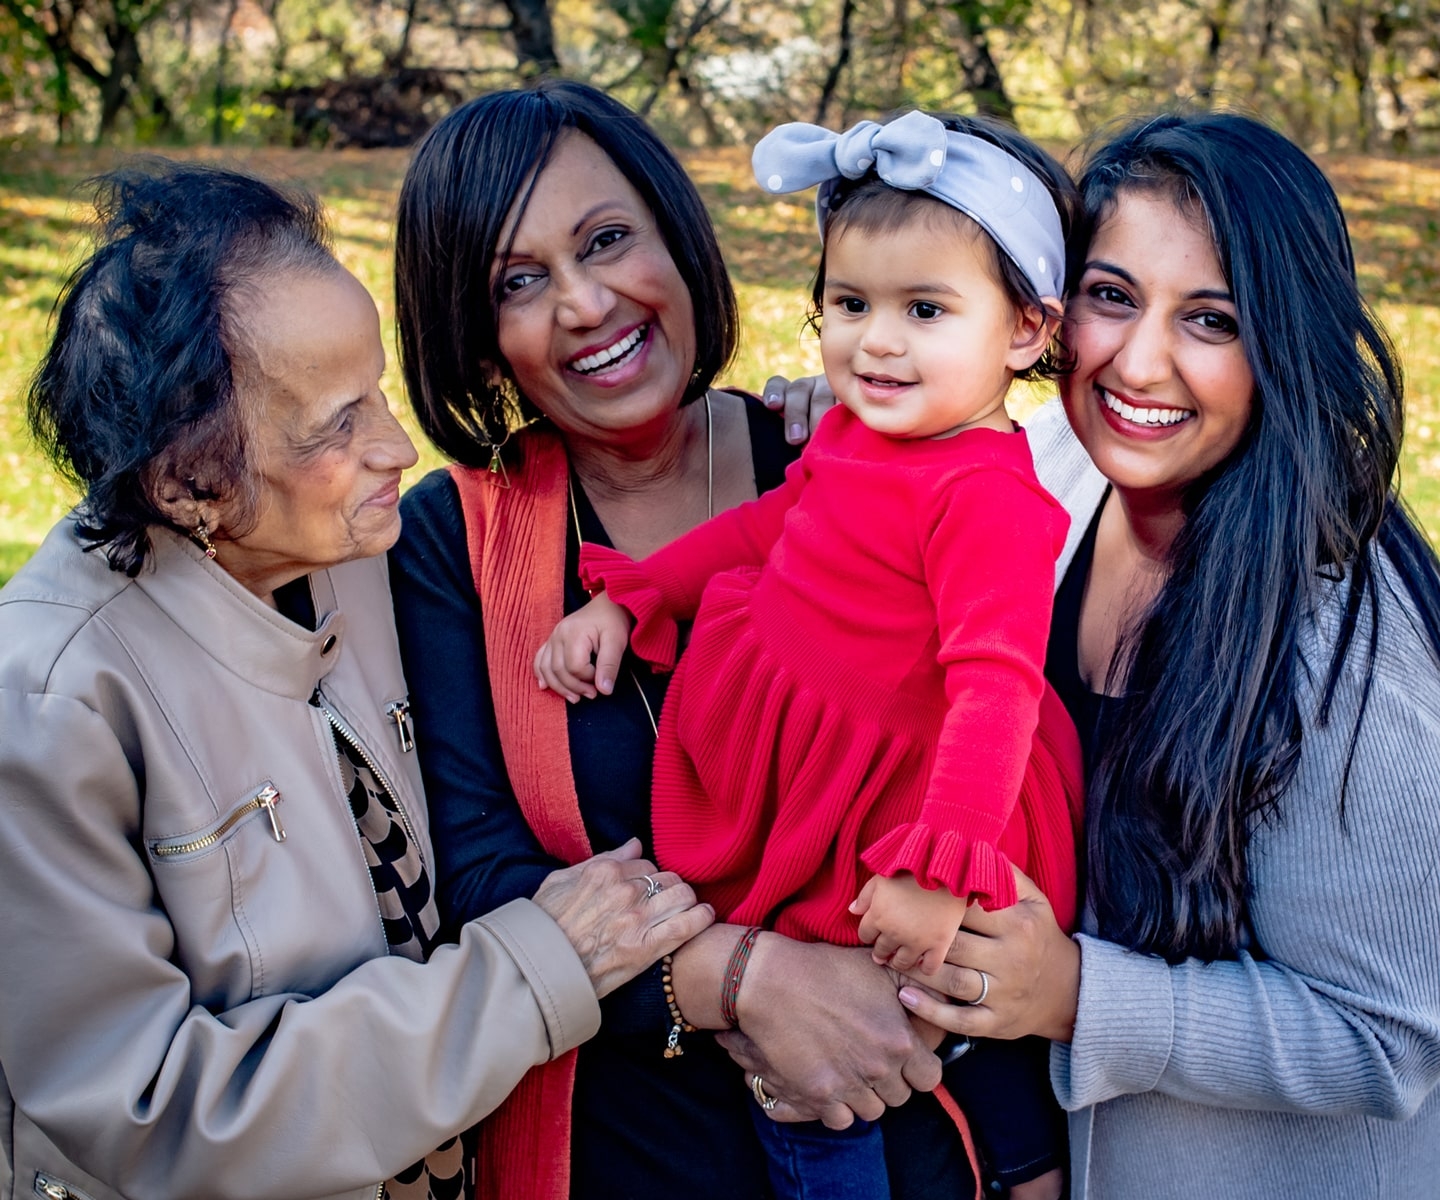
916,153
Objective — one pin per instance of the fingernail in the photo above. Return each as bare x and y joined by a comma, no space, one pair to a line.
607,686
772,400
909,997
797,431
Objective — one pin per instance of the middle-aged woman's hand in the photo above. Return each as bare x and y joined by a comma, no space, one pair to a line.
834,1045
621,913
1031,974
803,401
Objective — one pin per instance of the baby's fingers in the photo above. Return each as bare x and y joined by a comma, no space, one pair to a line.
549,677
884,948
904,958
577,666
613,641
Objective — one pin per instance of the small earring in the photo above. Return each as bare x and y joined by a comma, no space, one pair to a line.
499,476
202,538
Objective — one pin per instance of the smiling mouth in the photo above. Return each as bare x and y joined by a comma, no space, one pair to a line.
622,351
884,381
1143,416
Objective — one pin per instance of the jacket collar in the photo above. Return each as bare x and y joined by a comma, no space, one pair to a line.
237,629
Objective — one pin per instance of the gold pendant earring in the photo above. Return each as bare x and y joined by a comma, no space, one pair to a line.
202,538
499,476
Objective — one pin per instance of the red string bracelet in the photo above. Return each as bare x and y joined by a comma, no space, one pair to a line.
734,973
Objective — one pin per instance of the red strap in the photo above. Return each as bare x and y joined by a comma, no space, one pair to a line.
962,1126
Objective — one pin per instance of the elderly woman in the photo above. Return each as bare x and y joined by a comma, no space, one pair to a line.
215,879
555,265
1248,629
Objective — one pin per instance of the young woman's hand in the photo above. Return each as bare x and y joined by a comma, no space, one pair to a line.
1026,968
803,401
621,913
582,657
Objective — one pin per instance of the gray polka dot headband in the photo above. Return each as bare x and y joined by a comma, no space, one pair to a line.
916,153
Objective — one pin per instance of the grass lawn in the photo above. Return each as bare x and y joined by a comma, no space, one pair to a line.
1393,207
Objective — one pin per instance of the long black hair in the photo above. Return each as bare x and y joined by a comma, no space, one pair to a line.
1208,732
469,173
134,399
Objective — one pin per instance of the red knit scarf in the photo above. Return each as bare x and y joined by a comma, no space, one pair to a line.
517,554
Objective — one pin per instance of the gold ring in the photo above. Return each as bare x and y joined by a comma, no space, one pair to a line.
763,1098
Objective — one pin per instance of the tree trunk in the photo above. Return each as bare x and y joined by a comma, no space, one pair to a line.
534,37
980,75
842,60
1218,25
396,60
217,124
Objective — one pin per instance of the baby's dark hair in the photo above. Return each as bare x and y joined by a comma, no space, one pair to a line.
871,205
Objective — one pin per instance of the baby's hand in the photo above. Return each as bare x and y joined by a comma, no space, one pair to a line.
911,926
582,656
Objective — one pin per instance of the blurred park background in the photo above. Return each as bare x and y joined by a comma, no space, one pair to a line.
331,93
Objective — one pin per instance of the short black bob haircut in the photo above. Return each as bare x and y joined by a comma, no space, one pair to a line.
135,399
870,205
469,173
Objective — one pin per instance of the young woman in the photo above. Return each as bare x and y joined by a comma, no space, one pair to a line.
1248,635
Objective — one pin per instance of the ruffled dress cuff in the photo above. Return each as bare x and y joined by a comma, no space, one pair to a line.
655,636
944,858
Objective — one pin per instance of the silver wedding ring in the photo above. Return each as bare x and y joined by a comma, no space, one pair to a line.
984,989
653,887
763,1098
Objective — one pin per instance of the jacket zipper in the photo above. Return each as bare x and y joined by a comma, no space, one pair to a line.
267,798
344,730
399,712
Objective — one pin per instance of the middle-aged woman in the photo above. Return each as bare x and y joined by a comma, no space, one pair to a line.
215,895
1248,628
554,264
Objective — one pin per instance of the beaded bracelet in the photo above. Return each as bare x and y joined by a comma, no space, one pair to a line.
734,973
678,1023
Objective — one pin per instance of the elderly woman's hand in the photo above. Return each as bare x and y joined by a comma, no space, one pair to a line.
621,913
822,1025
803,401
1026,968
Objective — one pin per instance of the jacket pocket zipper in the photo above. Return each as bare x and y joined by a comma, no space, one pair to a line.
49,1188
266,798
399,712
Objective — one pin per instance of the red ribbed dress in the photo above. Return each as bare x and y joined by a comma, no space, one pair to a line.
862,691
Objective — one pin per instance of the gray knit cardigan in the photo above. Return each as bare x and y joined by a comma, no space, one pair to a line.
1306,1068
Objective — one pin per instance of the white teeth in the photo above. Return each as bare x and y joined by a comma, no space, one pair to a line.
603,358
1144,416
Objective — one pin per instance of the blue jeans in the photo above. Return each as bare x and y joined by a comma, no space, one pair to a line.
807,1161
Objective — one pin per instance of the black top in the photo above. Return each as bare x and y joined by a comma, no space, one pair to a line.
1062,655
645,1125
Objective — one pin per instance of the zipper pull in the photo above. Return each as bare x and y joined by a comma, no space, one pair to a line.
267,799
399,712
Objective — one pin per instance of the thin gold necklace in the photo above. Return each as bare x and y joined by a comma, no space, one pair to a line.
709,512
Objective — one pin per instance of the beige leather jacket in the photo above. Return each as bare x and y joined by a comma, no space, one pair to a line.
189,1005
